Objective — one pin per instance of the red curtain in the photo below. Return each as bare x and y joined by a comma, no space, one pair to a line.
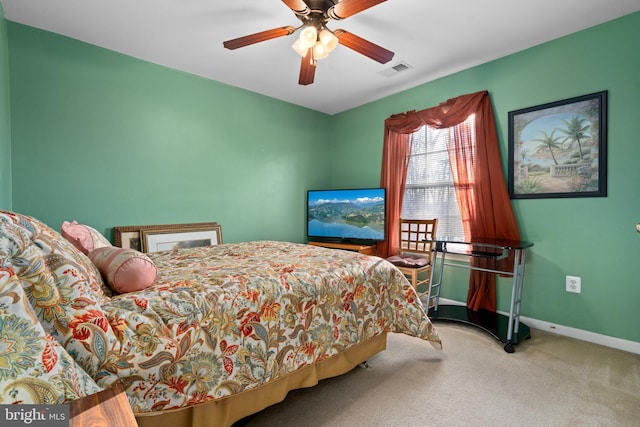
395,162
477,173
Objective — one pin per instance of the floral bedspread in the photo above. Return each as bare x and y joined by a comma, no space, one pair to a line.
218,321
228,318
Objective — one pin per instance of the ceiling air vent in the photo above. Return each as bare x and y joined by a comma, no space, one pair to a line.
396,69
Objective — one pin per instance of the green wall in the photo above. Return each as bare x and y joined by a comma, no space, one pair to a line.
594,238
5,118
110,140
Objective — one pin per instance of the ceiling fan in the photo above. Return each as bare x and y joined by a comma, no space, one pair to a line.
316,41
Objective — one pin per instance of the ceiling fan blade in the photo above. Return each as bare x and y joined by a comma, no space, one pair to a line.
299,7
365,47
347,8
258,37
307,69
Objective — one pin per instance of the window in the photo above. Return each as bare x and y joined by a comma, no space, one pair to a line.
430,192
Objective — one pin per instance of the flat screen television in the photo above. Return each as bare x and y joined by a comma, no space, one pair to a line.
353,215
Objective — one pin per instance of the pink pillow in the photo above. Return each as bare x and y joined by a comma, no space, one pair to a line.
83,237
124,269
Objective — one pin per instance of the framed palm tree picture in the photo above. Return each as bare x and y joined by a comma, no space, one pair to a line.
559,149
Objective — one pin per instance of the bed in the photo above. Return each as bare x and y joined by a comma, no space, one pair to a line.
223,332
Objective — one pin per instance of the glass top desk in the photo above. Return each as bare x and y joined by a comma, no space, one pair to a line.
508,330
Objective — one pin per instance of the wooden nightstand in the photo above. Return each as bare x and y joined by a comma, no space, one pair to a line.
109,407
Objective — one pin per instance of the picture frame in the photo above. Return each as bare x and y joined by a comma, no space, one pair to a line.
559,149
164,239
129,236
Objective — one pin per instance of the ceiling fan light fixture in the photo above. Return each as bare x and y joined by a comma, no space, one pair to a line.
328,40
299,48
320,51
308,36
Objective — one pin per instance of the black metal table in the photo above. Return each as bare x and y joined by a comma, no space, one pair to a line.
509,330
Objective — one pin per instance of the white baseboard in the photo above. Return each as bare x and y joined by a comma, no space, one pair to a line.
567,331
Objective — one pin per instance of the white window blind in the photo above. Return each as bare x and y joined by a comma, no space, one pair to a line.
429,191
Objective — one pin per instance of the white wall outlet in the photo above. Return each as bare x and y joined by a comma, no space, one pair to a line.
574,284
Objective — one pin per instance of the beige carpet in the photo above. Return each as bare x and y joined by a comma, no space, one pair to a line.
549,381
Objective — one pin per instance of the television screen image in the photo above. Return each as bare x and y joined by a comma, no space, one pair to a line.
346,215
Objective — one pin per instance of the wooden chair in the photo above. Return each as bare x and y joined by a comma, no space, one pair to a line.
416,256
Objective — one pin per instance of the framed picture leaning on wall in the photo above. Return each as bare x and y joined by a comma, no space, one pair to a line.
165,239
130,236
559,149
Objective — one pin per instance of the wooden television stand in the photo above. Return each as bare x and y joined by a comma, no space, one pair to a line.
363,249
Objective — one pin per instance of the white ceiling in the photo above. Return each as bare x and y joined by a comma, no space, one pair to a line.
434,38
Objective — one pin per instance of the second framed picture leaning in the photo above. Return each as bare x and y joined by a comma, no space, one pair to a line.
559,149
154,240
130,236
